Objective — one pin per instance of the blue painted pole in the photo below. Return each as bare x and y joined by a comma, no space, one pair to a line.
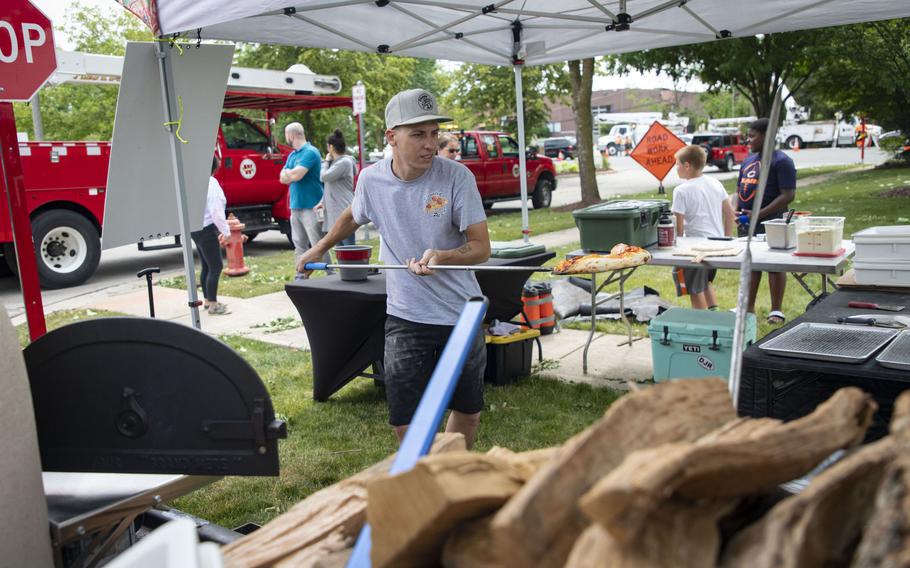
423,427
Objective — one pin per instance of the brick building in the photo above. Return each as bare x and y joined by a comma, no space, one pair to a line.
562,121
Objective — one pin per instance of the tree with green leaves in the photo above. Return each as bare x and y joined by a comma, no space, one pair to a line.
754,66
871,76
85,112
383,75
483,96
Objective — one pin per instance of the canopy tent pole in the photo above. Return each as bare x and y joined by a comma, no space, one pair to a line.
166,72
522,161
745,267
517,64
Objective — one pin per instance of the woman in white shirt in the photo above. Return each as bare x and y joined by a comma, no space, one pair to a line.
214,234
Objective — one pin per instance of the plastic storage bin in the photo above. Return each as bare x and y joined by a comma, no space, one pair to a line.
819,235
633,222
500,249
780,234
509,356
688,343
883,244
882,273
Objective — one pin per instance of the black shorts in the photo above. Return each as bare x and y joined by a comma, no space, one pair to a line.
411,353
692,280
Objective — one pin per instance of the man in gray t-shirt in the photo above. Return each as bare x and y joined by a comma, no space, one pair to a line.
429,212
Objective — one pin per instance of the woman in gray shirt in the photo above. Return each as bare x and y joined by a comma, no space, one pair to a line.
337,177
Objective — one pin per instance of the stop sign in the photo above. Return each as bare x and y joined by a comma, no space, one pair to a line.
27,56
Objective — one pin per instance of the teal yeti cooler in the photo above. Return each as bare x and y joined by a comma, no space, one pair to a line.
689,343
629,221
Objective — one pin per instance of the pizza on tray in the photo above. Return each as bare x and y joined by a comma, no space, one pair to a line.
621,256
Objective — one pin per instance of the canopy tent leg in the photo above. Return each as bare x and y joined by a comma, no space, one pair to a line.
522,161
745,267
166,72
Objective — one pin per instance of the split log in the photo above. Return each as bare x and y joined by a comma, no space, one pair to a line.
743,458
539,525
470,545
314,527
886,539
821,526
412,513
682,534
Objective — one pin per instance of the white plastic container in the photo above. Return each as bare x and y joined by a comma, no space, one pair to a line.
780,234
819,235
885,273
883,244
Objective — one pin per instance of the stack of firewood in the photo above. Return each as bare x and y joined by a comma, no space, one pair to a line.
669,477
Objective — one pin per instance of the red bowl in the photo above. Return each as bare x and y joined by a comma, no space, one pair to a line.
353,253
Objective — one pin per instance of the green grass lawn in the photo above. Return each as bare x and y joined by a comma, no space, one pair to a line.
333,440
507,226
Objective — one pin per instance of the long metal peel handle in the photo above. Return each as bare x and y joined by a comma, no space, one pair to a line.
433,403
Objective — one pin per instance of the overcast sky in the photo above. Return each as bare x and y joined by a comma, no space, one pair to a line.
56,11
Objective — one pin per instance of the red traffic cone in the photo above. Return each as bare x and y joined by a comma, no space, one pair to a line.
234,248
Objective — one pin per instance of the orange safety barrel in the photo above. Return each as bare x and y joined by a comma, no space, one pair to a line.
530,313
547,317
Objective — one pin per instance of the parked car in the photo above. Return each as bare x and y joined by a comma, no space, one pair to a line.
493,159
553,146
724,150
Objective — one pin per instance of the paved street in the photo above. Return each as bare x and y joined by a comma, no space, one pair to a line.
119,266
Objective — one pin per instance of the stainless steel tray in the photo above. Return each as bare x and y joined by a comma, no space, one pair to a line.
830,342
897,355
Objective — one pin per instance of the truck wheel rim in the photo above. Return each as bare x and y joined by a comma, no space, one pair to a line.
63,249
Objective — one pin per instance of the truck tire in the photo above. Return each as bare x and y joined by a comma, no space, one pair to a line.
543,193
67,246
251,236
794,141
611,149
729,163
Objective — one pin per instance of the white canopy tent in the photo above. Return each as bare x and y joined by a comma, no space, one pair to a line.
500,32
510,32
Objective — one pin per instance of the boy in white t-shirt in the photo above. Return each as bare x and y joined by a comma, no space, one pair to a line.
702,209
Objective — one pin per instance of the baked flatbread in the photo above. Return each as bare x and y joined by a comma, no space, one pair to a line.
621,256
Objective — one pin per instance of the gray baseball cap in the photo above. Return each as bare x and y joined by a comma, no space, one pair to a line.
412,107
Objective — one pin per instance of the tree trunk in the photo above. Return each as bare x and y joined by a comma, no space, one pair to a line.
581,75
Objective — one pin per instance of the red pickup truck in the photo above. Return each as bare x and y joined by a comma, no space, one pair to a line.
65,184
724,150
493,159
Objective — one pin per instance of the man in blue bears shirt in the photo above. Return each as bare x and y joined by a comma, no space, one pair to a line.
779,192
301,174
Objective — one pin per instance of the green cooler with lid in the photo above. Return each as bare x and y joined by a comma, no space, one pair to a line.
629,221
688,343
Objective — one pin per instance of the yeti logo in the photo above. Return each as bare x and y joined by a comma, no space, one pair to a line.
425,101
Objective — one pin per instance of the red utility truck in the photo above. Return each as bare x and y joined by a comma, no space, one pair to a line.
493,159
65,182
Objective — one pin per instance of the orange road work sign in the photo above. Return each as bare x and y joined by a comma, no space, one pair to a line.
656,151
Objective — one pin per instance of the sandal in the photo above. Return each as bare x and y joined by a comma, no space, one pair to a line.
218,309
776,317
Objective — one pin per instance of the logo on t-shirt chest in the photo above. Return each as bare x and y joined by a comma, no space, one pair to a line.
436,204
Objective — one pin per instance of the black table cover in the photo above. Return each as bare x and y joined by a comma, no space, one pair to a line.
345,321
787,388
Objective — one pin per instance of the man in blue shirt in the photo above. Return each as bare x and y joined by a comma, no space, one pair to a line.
301,174
779,192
